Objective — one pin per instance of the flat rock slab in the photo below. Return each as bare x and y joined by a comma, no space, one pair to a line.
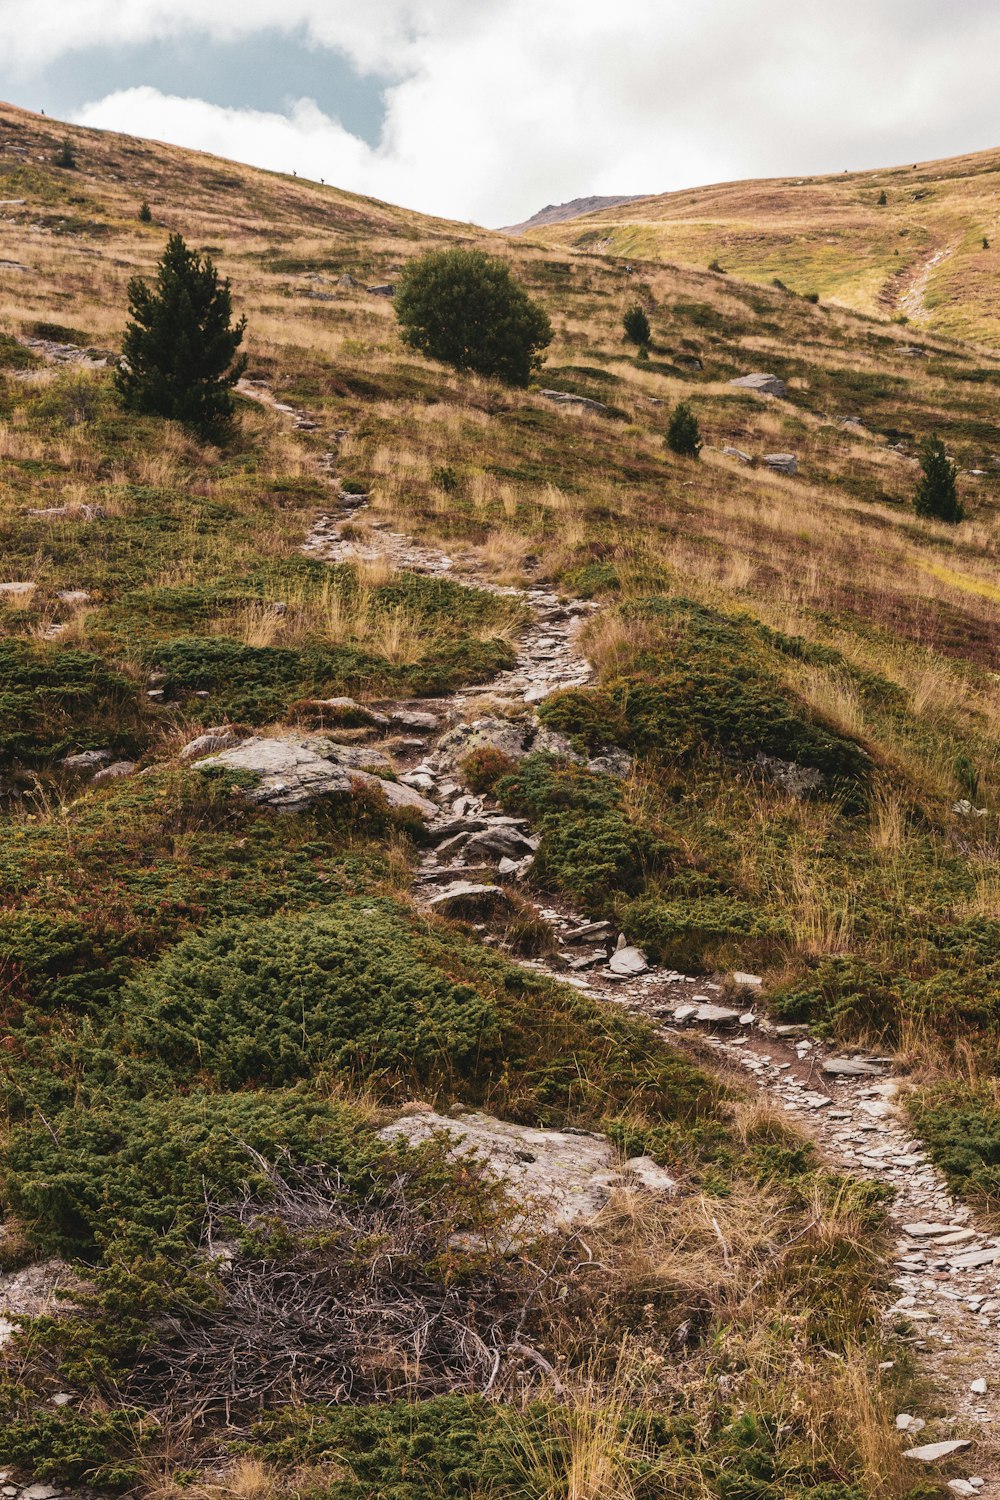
581,403
851,1067
468,901
930,1453
781,463
765,385
555,1177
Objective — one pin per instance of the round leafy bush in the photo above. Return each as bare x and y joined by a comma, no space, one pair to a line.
271,1002
465,309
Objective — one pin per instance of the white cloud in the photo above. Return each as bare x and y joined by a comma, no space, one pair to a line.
498,106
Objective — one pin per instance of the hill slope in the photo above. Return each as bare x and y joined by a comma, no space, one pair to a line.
920,255
745,718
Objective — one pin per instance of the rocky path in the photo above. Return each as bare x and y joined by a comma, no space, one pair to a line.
906,290
947,1271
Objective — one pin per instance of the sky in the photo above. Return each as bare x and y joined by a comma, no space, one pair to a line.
487,110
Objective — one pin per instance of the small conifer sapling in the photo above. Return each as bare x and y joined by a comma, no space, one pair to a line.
636,325
683,434
145,213
937,495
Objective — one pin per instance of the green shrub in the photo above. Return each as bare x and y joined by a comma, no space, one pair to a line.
253,1002
707,932
179,347
465,308
99,1449
589,717
961,1125
145,214
55,701
137,1172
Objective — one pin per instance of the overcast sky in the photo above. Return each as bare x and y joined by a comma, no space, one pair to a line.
489,109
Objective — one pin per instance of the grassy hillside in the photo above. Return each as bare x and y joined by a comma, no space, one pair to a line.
919,256
727,1342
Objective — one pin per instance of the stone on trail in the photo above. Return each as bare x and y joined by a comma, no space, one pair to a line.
115,771
852,1067
507,736
931,1452
765,385
467,901
747,981
979,1387
976,1258
627,961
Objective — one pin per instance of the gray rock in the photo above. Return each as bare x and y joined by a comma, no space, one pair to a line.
503,842
216,738
580,403
555,1177
798,781
732,452
930,1453
716,1015
509,736
412,718
114,772
765,385
86,760
747,981
349,708
290,776
781,463
688,362
73,596
353,757
468,902
346,281
612,762
852,1067
628,960
385,289
16,590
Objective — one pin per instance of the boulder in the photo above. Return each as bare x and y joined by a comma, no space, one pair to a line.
16,590
688,362
73,596
86,760
384,289
764,385
781,463
503,842
555,1178
737,453
852,1067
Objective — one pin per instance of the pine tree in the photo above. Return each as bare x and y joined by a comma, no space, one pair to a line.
65,157
178,352
936,495
683,434
145,213
466,309
882,199
636,325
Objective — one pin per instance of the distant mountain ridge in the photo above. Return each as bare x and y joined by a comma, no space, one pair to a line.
558,213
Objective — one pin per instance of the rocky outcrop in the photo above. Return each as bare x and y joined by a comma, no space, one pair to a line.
292,774
556,1178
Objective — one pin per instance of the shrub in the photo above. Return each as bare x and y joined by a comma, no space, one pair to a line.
145,214
54,701
636,325
683,436
100,1449
465,308
179,348
65,157
249,1002
882,199
937,496
483,768
138,1172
